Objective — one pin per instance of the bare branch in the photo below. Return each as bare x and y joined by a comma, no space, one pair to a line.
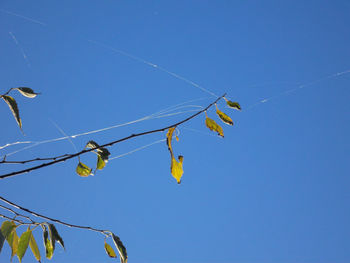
17,214
104,232
19,221
33,160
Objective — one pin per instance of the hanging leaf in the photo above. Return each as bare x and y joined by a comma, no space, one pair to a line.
100,163
13,239
27,92
110,251
169,137
55,236
102,154
34,247
91,144
6,228
176,168
49,247
212,125
121,249
14,108
226,119
83,170
2,240
101,151
233,105
23,244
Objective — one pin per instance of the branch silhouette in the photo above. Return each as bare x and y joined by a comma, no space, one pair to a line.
70,156
104,232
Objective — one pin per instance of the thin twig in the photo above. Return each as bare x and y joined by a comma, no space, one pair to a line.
70,156
104,232
33,160
19,221
17,214
7,92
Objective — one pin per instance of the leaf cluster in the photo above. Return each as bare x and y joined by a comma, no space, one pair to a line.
102,158
19,245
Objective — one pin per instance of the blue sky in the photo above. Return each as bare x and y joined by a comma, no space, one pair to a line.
275,189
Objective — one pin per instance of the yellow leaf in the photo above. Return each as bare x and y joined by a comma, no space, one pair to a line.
34,247
83,170
100,163
176,168
212,125
226,119
13,240
49,245
233,104
23,244
110,251
102,154
169,137
7,227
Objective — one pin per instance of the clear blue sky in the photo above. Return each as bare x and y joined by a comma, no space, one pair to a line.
275,189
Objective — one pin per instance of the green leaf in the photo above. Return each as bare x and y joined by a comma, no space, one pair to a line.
49,248
34,247
226,119
27,92
121,249
100,163
13,239
55,236
7,227
23,244
83,170
14,108
110,251
212,125
233,104
8,230
102,154
2,240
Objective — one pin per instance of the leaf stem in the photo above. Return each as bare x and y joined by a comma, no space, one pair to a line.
7,92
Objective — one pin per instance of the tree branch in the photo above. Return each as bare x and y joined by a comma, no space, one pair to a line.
17,214
104,232
70,156
32,160
19,221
